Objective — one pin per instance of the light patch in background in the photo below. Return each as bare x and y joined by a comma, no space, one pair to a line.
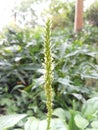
6,7
87,3
5,12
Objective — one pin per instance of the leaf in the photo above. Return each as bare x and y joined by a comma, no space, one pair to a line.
31,124
10,120
78,96
58,124
59,112
17,87
42,125
35,124
71,123
90,76
13,48
63,48
94,124
64,81
80,121
19,76
91,129
90,108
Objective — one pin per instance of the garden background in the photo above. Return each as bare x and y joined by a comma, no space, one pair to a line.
75,59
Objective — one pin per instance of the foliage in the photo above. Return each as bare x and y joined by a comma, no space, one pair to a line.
74,64
88,35
62,13
77,121
92,14
89,119
18,59
10,120
75,78
21,70
26,14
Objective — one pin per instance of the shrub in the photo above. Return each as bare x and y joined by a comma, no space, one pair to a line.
92,14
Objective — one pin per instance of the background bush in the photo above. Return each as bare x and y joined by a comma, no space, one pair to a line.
92,14
22,71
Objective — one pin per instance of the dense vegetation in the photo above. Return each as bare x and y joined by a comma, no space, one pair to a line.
75,60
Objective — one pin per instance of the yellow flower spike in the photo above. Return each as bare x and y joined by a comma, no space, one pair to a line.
48,76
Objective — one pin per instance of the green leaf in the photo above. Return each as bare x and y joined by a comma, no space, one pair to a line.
31,124
13,48
57,124
64,81
59,112
19,76
17,87
42,125
91,129
80,121
35,124
10,120
90,108
71,123
94,124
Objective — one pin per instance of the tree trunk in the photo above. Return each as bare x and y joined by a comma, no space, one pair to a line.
78,24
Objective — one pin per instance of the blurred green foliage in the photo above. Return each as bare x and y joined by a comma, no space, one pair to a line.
92,14
21,69
62,13
75,67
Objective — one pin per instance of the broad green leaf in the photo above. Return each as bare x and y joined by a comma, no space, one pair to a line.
59,112
94,124
64,81
80,121
71,123
13,48
35,124
91,129
10,120
90,108
31,124
42,125
57,124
